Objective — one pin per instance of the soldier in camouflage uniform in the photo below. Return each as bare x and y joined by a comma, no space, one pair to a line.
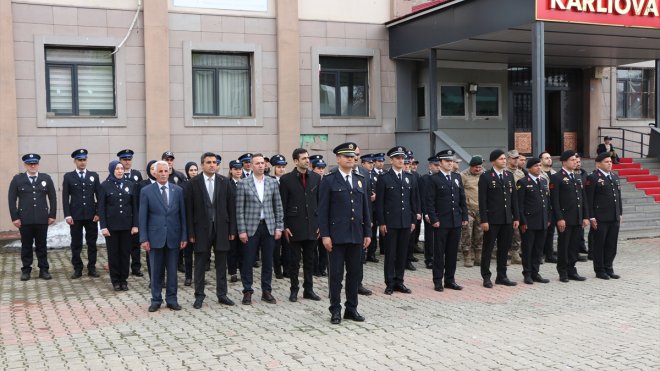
512,165
471,234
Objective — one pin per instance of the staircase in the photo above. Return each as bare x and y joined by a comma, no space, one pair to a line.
640,190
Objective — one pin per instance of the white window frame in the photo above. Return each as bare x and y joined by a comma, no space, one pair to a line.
256,103
499,103
43,119
465,100
373,77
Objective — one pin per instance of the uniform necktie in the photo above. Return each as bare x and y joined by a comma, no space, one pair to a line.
163,193
609,177
448,178
82,175
33,179
399,175
501,178
348,181
211,188
572,177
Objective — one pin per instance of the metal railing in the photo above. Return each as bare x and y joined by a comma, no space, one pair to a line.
628,136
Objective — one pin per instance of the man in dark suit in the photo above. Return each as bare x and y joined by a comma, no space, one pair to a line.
447,211
259,218
608,148
605,208
534,210
396,205
570,211
345,229
126,158
498,211
210,212
163,233
32,207
79,200
299,190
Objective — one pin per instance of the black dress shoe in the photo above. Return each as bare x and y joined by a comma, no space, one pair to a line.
353,315
116,286
279,276
138,274
487,283
181,268
372,259
582,258
389,290
124,286
154,307
324,274
25,276
614,276
335,319
438,287
363,291
563,279
603,276
576,277
255,265
268,298
453,286
76,274
402,288
247,298
528,280
429,265
293,296
538,278
414,259
44,275
551,259
505,281
198,303
187,282
175,306
93,273
233,278
410,266
311,295
225,300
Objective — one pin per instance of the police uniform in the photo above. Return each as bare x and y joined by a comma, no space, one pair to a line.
534,210
344,218
79,200
176,177
320,255
568,204
498,206
245,158
233,256
281,251
428,230
471,234
135,177
371,250
605,208
414,235
445,204
32,201
396,206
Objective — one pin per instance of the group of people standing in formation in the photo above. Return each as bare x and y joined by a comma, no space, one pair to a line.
259,213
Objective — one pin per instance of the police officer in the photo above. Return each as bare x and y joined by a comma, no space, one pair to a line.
37,205
79,199
414,235
246,160
321,255
396,211
235,245
447,212
570,211
176,176
471,235
498,211
534,210
434,168
281,251
345,229
126,159
368,165
604,200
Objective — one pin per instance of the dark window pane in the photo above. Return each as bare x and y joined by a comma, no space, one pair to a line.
452,101
344,86
353,88
343,63
328,97
620,99
487,101
421,102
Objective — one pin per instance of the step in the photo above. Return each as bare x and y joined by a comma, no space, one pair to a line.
626,166
626,172
626,160
642,178
657,199
652,191
645,185
646,207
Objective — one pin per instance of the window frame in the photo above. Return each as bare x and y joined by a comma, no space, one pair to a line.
337,72
465,100
73,66
216,84
499,102
648,94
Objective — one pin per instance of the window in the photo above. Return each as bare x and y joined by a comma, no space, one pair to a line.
221,84
344,86
452,100
80,82
421,102
635,93
487,101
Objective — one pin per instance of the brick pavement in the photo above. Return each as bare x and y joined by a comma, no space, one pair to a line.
84,324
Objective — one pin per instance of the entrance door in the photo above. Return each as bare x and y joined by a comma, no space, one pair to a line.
553,124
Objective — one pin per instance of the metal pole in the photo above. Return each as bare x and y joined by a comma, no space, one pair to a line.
657,93
538,88
433,98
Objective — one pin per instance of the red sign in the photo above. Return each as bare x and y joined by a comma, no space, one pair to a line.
628,13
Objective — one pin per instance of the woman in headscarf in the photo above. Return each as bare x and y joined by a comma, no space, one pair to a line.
118,216
191,171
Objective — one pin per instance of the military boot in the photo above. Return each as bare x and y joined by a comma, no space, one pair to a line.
468,259
477,257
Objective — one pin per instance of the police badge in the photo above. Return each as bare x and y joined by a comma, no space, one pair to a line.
43,183
407,181
176,180
359,183
126,189
91,178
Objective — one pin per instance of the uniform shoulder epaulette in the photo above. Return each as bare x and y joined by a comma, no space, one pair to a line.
358,174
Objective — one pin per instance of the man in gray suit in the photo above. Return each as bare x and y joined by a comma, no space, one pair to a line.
259,218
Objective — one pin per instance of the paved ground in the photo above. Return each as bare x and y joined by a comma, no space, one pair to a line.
83,324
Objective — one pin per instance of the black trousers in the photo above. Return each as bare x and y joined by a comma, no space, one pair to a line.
119,245
371,250
532,244
281,256
548,249
136,254
262,241
396,254
320,258
306,249
188,259
202,259
445,249
233,256
428,243
604,246
91,234
568,248
344,255
37,234
502,233
414,238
